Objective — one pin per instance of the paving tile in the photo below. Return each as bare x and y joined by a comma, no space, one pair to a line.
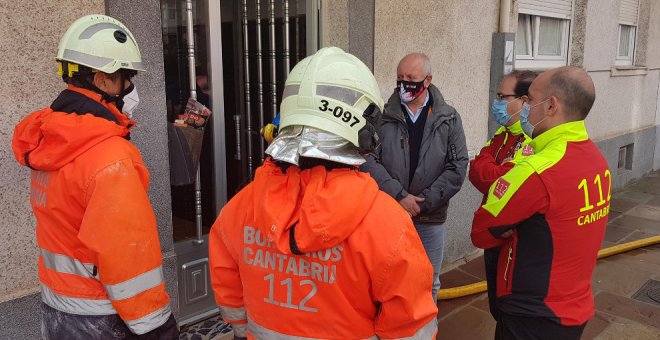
641,224
624,329
621,204
627,308
642,255
447,307
618,278
643,265
645,211
615,233
482,303
654,174
456,278
607,244
596,325
613,215
637,235
655,201
631,196
467,323
226,336
649,185
475,267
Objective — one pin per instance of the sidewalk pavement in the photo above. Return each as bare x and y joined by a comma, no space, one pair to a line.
634,215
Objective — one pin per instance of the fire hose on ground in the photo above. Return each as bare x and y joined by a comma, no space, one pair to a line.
479,287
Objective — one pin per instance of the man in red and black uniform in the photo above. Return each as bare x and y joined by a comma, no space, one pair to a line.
496,158
548,215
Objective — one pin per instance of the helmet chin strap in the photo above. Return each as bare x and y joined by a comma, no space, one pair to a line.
117,99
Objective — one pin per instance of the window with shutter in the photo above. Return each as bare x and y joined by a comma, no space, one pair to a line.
628,14
543,33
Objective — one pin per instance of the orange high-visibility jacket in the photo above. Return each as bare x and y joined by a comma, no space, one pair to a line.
96,230
319,254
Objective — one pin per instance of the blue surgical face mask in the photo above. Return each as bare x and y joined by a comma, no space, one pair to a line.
499,111
528,128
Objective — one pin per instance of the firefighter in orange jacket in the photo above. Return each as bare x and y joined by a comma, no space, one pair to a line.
100,260
497,157
312,249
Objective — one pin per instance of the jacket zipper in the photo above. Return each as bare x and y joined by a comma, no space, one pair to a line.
506,136
404,146
508,270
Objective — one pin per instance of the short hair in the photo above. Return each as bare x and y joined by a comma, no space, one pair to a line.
427,64
575,89
523,80
426,67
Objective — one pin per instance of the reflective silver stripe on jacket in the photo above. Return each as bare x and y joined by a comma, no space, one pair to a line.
264,333
136,285
65,264
423,333
150,321
233,314
73,305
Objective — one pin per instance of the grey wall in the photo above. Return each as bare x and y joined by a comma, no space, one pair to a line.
625,102
349,25
150,136
626,106
361,32
334,23
656,157
456,35
30,34
644,141
653,62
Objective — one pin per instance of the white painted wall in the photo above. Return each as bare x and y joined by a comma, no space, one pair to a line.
623,103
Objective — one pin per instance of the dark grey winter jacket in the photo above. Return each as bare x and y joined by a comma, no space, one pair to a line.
443,157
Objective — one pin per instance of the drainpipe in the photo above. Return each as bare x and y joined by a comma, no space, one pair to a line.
505,10
501,56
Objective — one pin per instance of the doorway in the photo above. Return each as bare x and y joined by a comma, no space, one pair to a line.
243,51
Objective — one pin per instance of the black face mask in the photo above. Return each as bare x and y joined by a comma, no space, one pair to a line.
410,90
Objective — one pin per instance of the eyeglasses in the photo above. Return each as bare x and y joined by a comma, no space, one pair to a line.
501,96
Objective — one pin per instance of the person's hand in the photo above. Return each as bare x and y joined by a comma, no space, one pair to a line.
507,234
507,160
410,204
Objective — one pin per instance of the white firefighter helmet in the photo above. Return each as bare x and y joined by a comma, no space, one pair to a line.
331,91
101,43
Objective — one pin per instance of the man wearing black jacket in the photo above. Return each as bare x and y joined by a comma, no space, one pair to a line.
423,159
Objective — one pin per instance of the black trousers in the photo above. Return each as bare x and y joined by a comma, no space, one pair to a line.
491,257
57,325
510,327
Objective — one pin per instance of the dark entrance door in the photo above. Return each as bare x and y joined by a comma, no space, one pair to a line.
243,51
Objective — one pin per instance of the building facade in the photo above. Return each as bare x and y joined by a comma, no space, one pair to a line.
243,51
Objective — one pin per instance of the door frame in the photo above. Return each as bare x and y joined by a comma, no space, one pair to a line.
217,103
189,252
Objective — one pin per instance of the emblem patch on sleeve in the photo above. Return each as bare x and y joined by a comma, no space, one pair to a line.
501,186
527,150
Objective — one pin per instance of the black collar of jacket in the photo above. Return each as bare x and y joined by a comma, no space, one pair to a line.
74,102
441,110
70,101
